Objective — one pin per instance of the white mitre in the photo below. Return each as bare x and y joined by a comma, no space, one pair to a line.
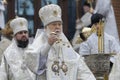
19,24
50,13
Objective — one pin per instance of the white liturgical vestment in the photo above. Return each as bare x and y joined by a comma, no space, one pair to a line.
4,43
41,57
13,66
115,72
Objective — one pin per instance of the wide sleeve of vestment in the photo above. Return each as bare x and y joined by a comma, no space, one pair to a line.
2,8
84,48
115,72
3,69
36,55
115,47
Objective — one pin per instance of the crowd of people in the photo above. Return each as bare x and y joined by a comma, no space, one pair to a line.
51,56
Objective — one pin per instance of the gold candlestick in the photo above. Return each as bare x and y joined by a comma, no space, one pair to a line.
100,34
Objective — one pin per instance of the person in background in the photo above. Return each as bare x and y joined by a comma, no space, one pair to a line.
7,35
105,8
13,65
86,7
90,46
84,21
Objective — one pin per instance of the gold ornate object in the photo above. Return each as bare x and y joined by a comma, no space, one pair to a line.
60,42
100,34
106,77
21,23
86,34
79,40
90,2
91,6
64,67
55,67
55,13
99,64
5,1
54,33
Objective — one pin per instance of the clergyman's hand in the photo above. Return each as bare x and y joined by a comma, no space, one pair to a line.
52,38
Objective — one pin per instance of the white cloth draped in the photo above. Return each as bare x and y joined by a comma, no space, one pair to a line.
2,9
13,64
105,8
40,48
115,72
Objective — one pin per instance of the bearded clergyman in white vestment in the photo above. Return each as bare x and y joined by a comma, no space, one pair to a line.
51,56
13,65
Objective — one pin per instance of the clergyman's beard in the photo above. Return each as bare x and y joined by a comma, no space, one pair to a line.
48,31
22,44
